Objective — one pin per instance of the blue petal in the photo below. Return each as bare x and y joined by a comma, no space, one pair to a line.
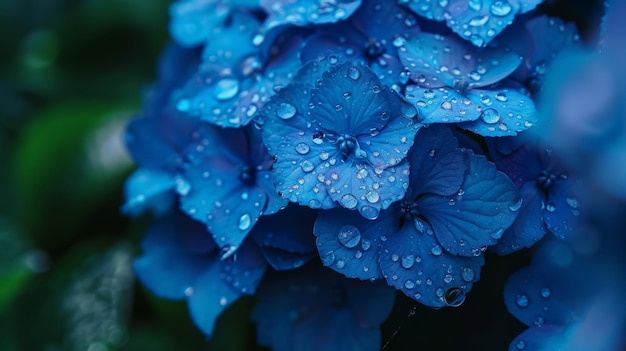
148,190
504,112
474,20
535,295
374,20
193,20
437,166
349,243
231,44
283,260
290,229
244,269
528,227
475,217
546,337
436,61
413,262
303,13
211,295
166,268
562,209
441,105
316,309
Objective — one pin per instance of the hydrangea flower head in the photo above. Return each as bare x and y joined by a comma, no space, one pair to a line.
340,140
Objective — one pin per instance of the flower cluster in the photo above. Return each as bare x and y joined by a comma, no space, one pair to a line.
321,155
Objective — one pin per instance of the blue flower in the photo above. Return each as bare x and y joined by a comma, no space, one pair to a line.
316,309
430,244
549,199
475,20
236,77
456,84
181,261
227,183
339,141
369,36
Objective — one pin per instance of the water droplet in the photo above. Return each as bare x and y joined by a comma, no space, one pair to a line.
475,5
545,292
183,187
408,261
454,297
340,263
521,345
477,40
467,274
436,250
348,201
188,291
226,88
369,212
395,257
349,236
490,116
550,207
538,322
501,8
428,94
328,259
446,105
183,105
286,110
353,73
572,202
223,301
244,222
521,300
372,196
478,21
409,284
517,205
307,166
501,97
303,148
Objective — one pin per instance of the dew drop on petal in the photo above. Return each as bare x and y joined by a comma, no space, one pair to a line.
372,196
353,73
183,105
302,148
521,300
408,261
454,297
409,284
226,89
328,259
365,244
244,222
501,97
550,207
517,205
501,8
490,116
521,345
478,21
307,166
545,292
348,201
223,301
340,263
446,105
369,212
467,274
286,111
349,236
436,250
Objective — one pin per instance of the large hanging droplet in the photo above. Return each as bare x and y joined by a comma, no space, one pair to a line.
454,297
